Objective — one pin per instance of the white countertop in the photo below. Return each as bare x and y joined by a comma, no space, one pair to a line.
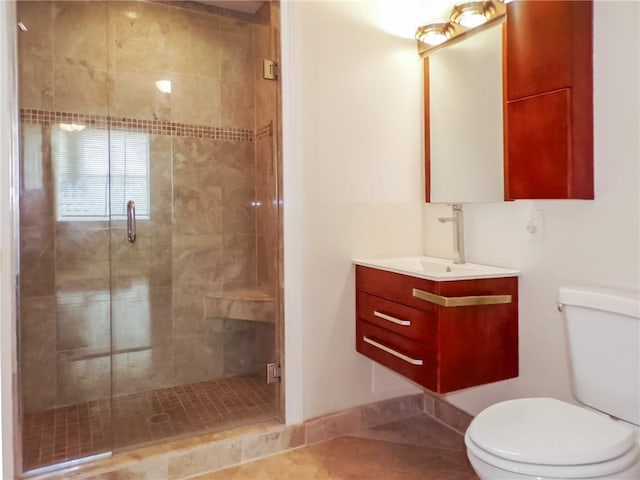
436,269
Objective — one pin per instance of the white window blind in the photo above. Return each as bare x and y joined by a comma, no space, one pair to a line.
98,172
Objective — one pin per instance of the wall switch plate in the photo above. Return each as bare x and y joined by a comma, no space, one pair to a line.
534,224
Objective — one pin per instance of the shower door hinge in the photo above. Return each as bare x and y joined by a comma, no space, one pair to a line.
274,373
269,70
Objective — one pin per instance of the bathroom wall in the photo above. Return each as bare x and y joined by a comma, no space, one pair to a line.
584,242
353,153
85,289
352,117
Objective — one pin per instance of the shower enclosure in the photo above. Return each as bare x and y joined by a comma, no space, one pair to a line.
149,223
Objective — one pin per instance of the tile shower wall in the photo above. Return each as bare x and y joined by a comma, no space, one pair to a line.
84,288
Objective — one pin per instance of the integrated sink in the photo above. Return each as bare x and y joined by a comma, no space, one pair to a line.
437,269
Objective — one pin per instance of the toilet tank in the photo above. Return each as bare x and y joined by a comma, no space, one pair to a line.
603,331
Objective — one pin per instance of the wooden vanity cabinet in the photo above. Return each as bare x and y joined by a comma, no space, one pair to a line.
443,348
548,94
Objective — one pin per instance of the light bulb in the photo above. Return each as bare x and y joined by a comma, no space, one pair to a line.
472,19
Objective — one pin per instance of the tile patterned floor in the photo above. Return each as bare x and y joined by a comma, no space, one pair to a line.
75,431
418,448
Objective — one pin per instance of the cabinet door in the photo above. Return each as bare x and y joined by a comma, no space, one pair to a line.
538,47
549,100
538,146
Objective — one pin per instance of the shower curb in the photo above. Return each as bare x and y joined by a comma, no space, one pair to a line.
191,457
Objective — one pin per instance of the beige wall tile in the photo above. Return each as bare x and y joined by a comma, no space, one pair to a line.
197,358
135,95
35,55
240,348
238,73
37,269
38,380
270,443
197,163
142,322
267,263
239,210
205,459
82,276
38,325
83,325
452,416
223,305
78,241
79,89
265,342
197,210
197,263
265,163
80,35
197,100
38,344
429,404
142,39
188,313
333,425
36,83
161,179
156,468
239,257
142,370
392,410
236,162
202,55
80,380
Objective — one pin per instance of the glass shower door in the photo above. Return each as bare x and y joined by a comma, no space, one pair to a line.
65,298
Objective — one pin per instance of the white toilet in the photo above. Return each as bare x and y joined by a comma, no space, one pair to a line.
543,438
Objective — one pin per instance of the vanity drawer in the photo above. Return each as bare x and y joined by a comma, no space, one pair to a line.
394,287
418,325
408,358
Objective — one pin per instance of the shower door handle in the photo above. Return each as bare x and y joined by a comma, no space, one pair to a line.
131,221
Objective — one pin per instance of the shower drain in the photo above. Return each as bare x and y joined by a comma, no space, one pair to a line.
159,419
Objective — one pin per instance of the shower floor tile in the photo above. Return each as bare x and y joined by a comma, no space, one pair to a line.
75,431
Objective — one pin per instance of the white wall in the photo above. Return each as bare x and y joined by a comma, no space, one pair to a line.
8,149
584,242
353,172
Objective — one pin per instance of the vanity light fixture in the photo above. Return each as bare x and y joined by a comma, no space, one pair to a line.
473,14
435,33
464,20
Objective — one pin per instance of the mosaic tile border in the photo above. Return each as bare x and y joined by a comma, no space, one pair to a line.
265,131
154,127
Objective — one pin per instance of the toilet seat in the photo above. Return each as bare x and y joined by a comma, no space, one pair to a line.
589,470
547,437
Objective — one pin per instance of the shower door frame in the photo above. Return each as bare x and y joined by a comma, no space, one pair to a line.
11,453
12,431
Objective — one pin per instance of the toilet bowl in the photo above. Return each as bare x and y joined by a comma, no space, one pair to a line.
543,438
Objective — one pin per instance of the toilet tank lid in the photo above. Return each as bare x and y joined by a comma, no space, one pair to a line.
624,302
545,431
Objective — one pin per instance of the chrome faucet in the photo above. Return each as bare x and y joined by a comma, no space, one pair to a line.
458,232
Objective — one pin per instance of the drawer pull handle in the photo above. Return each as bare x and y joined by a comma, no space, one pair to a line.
390,351
391,319
461,301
